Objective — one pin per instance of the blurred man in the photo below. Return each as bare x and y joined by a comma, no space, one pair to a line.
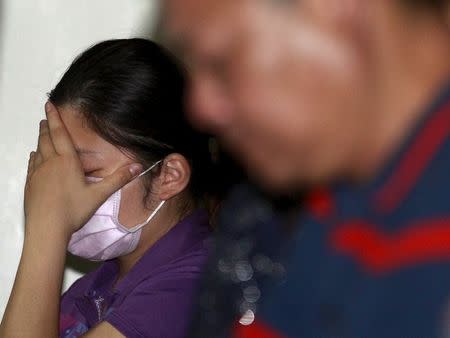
349,94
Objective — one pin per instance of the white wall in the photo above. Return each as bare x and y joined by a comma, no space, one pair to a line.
39,40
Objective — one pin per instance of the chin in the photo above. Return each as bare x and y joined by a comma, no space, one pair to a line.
279,180
275,181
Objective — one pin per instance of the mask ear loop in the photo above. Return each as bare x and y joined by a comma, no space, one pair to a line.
149,169
140,226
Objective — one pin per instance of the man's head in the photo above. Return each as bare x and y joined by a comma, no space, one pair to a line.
291,87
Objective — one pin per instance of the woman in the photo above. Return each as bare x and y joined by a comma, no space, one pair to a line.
115,132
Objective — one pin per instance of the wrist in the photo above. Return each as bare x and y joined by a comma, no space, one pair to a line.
46,236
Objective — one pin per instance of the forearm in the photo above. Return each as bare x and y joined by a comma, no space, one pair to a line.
57,202
33,307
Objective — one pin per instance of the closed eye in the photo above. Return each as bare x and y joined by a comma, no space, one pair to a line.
89,173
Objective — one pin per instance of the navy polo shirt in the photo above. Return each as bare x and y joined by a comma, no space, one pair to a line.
372,261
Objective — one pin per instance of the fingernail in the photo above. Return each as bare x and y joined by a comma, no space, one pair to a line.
48,106
135,169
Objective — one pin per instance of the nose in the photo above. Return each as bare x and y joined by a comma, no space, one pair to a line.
209,107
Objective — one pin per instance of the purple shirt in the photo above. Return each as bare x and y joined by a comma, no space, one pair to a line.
154,299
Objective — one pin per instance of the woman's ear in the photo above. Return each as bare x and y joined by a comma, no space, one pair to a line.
174,177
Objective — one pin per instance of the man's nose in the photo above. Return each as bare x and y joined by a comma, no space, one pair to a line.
208,105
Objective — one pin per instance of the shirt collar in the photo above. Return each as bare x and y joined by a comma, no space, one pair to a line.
407,164
190,231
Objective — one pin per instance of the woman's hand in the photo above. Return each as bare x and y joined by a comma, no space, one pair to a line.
58,200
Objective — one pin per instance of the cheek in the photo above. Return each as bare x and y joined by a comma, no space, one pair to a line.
301,107
293,130
132,209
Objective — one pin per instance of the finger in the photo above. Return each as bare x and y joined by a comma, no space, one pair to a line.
45,145
38,159
114,182
30,168
58,132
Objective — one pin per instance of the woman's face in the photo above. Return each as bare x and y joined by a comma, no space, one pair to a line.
100,158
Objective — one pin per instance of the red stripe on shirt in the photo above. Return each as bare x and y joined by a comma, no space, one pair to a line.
380,252
414,162
320,203
257,329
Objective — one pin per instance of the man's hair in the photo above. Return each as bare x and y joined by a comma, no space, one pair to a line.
427,4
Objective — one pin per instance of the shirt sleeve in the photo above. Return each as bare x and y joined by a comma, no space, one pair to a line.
160,309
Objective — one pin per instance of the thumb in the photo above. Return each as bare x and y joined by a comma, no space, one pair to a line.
115,181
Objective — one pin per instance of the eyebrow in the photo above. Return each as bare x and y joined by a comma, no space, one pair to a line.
82,151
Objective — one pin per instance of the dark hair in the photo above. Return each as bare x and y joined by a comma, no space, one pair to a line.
131,93
437,6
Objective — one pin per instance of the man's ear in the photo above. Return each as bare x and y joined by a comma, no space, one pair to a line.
174,177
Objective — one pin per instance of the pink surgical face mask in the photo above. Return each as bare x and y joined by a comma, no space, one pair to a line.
103,237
